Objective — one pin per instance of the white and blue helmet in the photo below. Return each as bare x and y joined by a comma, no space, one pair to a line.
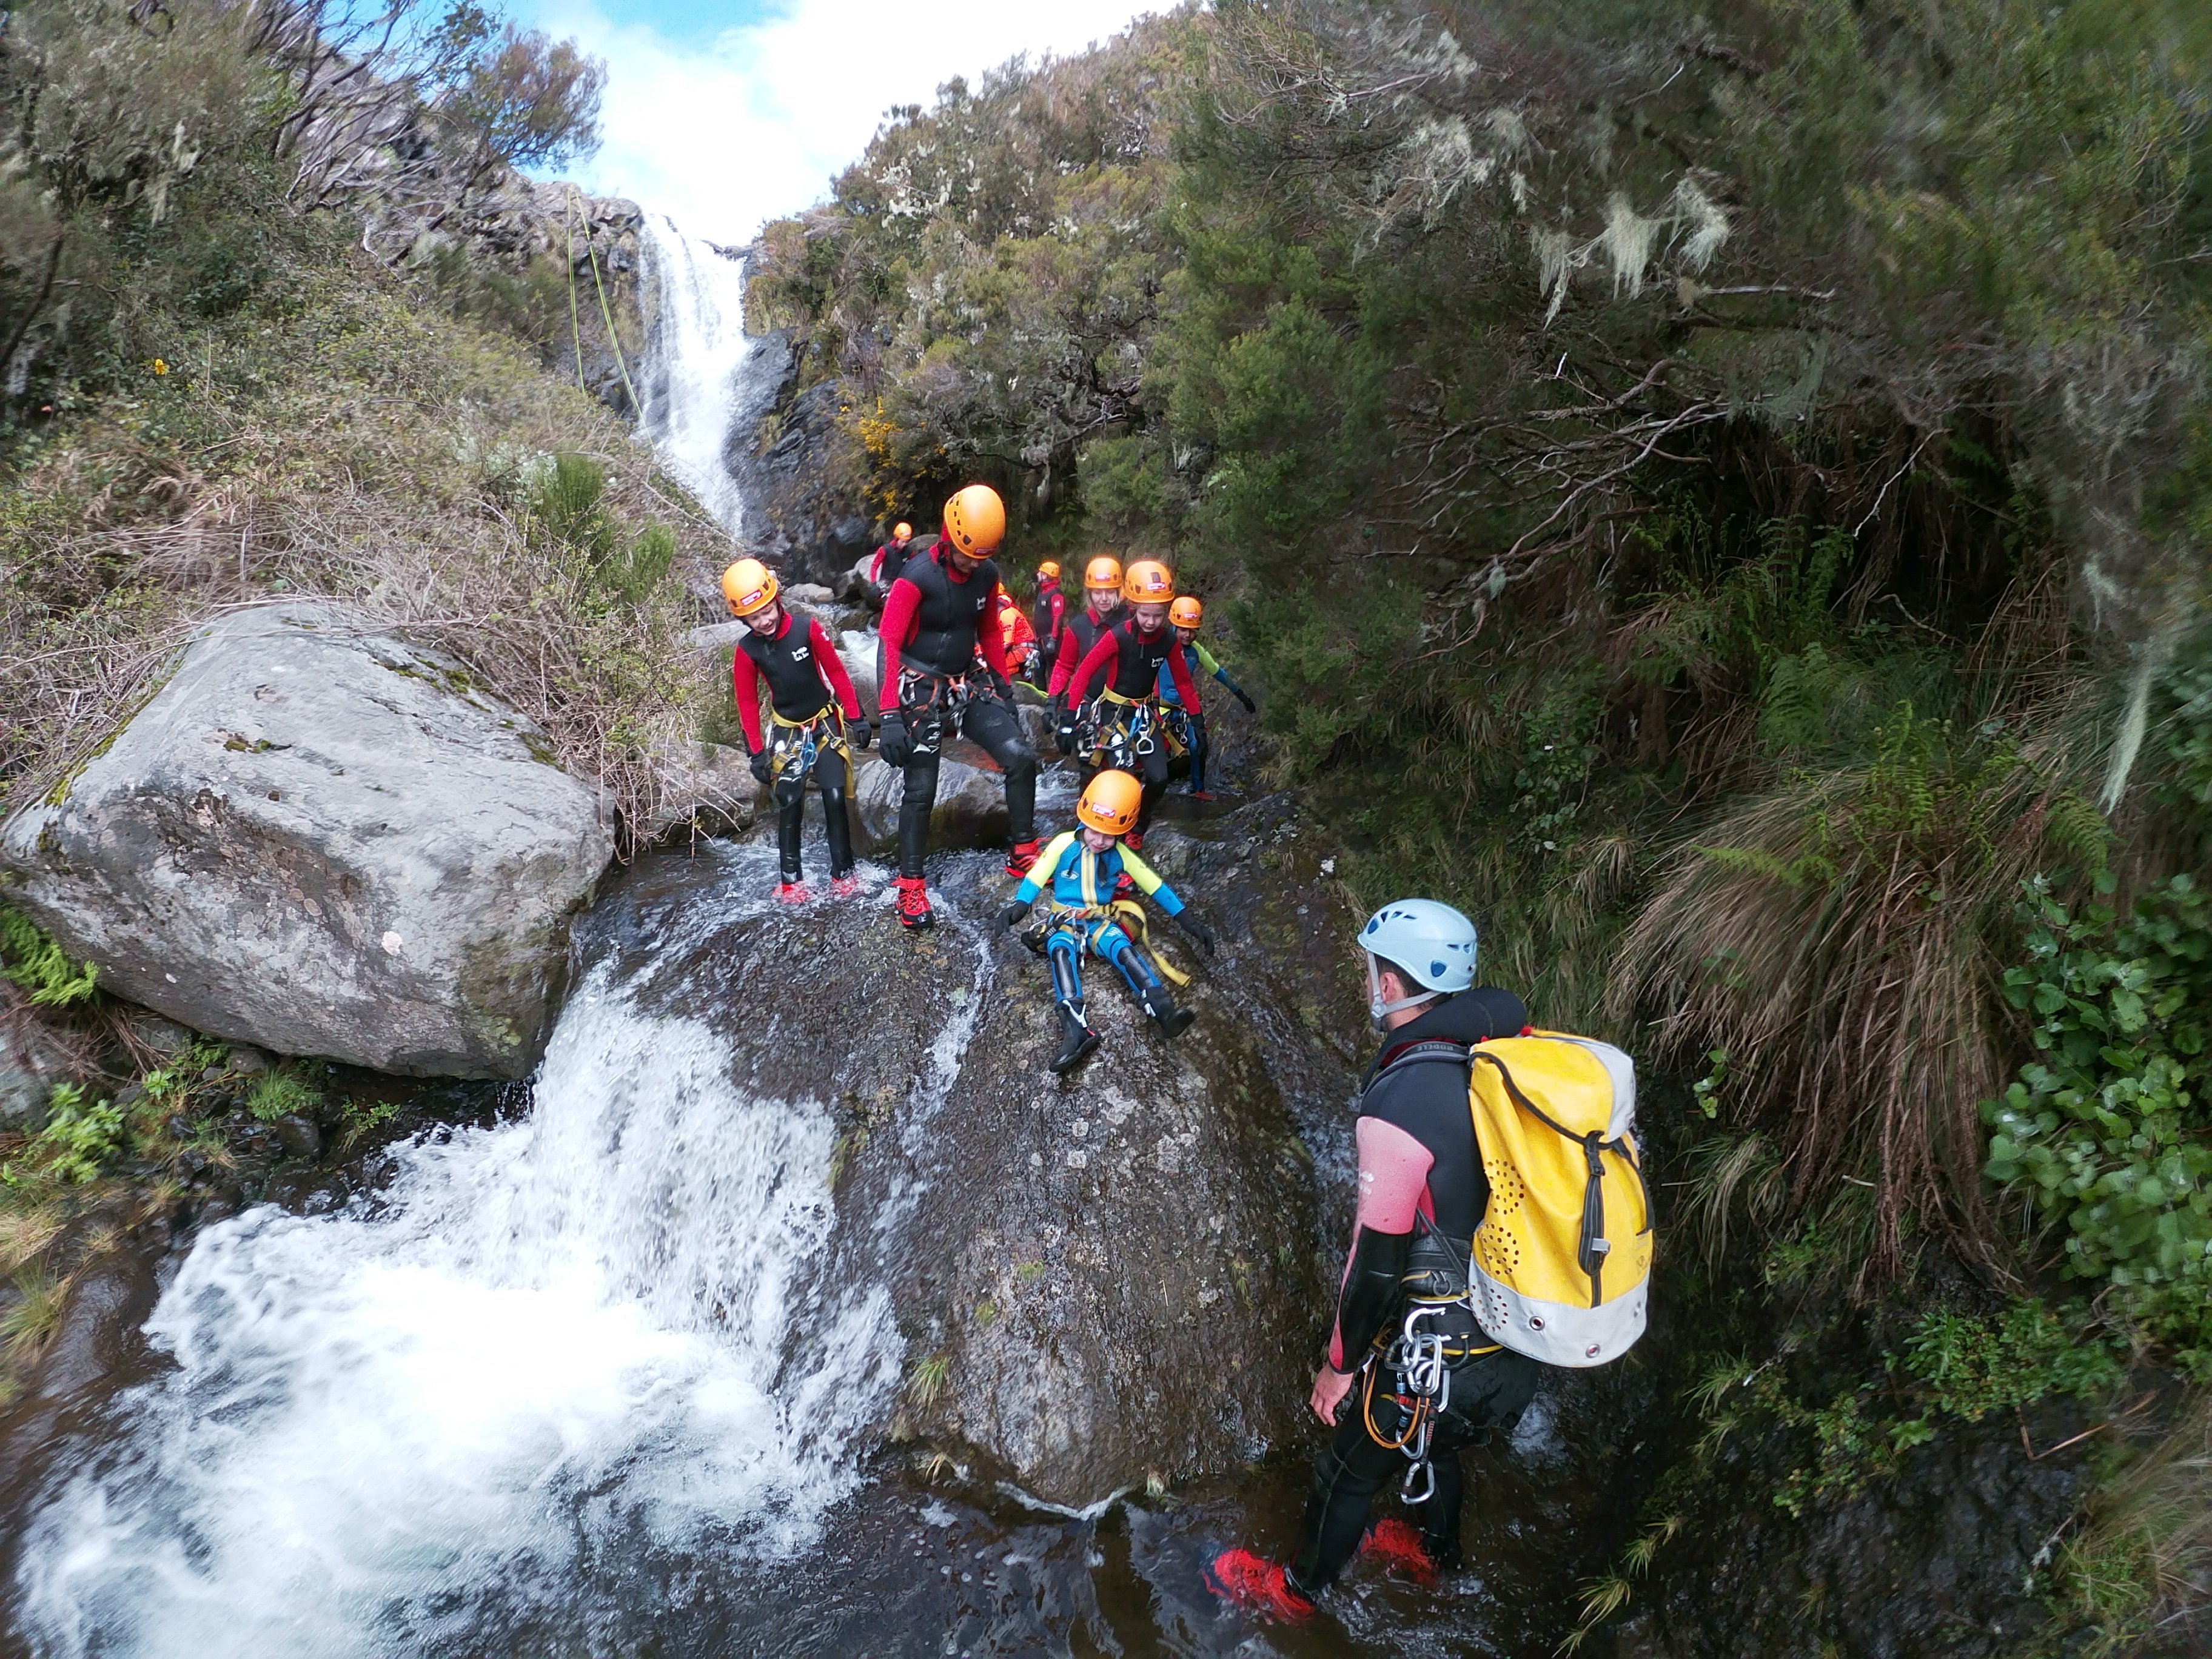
1434,944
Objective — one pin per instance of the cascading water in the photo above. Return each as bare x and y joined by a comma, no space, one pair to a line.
547,1353
705,377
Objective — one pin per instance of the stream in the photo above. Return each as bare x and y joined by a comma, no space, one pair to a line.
619,1373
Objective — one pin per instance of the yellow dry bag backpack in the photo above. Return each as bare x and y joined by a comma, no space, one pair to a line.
1562,1261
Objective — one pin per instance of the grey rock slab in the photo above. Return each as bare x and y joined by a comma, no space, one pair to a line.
324,839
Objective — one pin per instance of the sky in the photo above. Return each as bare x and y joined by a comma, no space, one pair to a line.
726,115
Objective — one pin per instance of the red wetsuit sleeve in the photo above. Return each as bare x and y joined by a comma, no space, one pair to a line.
1393,1182
1063,660
1104,657
901,610
1179,666
876,564
745,686
1059,611
833,670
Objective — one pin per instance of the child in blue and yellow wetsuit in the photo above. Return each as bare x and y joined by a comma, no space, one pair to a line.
1186,726
1082,869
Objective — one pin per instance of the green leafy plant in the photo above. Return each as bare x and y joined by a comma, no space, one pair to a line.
2108,1134
79,1136
35,962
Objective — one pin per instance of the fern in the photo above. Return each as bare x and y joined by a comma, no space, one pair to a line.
40,967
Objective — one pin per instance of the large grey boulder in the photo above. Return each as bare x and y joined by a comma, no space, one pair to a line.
326,840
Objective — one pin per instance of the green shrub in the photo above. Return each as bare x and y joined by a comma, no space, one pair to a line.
2108,1135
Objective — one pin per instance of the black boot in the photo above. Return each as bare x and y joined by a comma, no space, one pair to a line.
1152,994
1076,1040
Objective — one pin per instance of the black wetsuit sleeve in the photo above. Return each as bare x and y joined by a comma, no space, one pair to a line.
1372,1287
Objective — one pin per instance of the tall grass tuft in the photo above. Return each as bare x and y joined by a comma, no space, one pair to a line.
1842,937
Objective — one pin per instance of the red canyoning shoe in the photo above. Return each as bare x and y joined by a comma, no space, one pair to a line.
1134,840
1258,1586
914,902
792,892
1397,1544
844,887
1022,855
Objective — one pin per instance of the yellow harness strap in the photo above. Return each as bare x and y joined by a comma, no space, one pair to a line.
1131,916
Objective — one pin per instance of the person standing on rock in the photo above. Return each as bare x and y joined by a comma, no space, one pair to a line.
890,557
938,621
815,716
1084,870
1127,665
1187,725
1018,641
1102,603
1423,1192
1047,614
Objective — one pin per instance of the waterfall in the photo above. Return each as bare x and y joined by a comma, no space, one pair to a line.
706,379
547,1357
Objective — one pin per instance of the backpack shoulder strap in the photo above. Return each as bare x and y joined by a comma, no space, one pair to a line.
1435,1049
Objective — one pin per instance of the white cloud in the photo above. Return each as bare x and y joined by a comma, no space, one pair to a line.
755,125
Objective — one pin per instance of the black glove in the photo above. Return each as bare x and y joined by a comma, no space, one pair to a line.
1065,735
762,767
1013,913
896,749
1245,697
1200,934
859,733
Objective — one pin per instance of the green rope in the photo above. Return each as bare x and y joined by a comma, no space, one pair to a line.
605,310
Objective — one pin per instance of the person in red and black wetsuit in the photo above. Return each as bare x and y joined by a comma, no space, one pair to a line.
1048,613
938,618
1423,1192
1125,663
891,558
812,735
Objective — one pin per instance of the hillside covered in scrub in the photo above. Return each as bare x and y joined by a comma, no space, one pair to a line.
1721,495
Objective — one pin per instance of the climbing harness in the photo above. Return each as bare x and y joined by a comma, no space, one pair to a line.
931,703
1130,731
1423,1361
797,745
1084,922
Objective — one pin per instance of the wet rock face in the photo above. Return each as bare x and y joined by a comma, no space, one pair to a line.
324,840
1100,1280
1935,1563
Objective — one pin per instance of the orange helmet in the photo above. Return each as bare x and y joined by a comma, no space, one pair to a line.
901,531
748,585
975,521
1104,571
1148,582
1049,571
1109,802
1186,613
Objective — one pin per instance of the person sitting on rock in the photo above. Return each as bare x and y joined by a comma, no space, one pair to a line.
1084,870
1046,615
936,623
1018,641
1102,603
1186,726
891,558
816,719
1126,663
1423,1190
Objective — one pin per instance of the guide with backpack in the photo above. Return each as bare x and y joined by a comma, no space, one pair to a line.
1503,1225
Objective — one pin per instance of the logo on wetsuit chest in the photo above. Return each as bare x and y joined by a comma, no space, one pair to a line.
800,654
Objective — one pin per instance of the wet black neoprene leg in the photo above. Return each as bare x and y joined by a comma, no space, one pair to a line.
920,796
790,816
1199,748
1077,1039
1152,990
992,726
1346,1480
830,776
